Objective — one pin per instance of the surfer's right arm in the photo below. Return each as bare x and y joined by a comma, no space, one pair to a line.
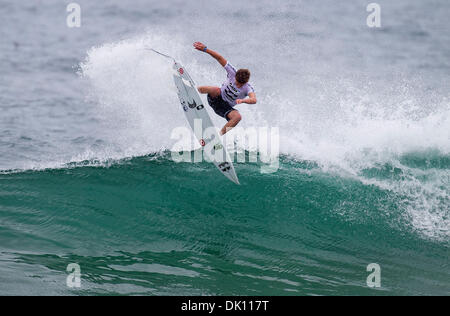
202,47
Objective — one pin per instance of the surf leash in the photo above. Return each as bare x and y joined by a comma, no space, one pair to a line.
164,55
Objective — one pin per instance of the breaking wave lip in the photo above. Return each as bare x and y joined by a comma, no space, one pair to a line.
423,195
82,161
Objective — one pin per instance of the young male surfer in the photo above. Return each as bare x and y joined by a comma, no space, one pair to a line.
233,91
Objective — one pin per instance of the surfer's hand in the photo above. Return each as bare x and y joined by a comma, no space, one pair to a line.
239,101
199,46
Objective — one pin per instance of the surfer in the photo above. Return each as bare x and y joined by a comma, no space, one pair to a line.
233,91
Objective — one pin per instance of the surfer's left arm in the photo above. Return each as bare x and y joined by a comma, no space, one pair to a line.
250,100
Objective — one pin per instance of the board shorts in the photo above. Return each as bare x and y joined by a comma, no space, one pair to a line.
220,106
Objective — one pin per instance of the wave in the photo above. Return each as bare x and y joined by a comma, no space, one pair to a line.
353,126
392,136
412,197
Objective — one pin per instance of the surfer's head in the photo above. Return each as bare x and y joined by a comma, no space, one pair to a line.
243,76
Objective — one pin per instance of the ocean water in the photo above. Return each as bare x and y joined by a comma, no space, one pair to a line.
86,174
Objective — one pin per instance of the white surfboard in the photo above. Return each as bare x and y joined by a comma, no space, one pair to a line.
200,122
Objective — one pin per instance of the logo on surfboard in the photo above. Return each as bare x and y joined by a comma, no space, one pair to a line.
193,104
225,166
183,105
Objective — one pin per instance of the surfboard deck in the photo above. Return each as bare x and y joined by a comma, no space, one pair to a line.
201,124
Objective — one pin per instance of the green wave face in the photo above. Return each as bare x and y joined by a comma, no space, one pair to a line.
152,226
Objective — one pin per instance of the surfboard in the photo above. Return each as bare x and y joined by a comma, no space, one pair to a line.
200,121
